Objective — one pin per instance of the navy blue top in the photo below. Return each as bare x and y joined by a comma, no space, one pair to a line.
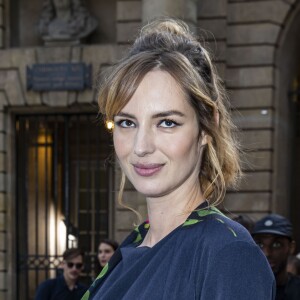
208,257
57,289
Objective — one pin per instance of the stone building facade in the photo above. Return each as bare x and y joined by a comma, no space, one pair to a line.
257,50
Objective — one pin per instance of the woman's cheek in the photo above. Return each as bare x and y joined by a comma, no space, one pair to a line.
178,145
121,144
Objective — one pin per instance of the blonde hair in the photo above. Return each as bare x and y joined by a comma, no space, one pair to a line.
168,45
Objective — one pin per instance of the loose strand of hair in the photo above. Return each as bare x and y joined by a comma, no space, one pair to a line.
217,186
121,202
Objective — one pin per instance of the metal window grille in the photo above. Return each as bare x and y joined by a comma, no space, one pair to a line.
63,184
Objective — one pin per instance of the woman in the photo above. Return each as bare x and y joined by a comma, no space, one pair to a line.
172,136
106,249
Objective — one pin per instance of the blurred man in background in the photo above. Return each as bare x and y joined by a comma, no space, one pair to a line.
65,286
274,235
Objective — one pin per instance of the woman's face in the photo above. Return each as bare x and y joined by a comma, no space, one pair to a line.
156,137
105,252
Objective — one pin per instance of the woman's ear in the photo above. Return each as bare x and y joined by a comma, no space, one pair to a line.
204,139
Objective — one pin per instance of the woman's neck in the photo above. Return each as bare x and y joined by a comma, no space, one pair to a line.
168,212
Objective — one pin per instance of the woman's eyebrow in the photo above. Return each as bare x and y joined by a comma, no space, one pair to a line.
126,115
168,113
157,115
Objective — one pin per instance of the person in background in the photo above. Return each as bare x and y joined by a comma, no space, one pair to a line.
65,286
106,249
173,138
244,220
274,235
293,265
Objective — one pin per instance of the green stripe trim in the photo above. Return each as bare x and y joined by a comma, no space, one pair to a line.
86,296
191,222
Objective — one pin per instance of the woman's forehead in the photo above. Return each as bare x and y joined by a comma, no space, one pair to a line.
158,91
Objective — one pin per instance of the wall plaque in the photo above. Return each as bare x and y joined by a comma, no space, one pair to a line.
59,77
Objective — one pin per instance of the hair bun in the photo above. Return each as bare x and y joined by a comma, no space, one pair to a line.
165,35
169,26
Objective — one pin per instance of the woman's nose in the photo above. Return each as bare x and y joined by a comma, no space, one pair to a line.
144,142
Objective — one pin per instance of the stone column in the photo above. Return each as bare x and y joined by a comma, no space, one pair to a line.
181,9
128,20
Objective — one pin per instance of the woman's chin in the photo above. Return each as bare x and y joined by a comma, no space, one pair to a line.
151,192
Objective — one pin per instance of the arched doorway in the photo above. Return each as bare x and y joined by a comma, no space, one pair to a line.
286,187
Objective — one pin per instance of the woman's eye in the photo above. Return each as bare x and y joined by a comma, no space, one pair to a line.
168,124
125,123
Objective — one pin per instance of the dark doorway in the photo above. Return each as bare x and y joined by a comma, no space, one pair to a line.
63,184
294,100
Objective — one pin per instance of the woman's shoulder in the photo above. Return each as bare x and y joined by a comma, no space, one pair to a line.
212,226
212,232
225,249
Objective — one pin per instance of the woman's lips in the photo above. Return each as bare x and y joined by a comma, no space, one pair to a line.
147,170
